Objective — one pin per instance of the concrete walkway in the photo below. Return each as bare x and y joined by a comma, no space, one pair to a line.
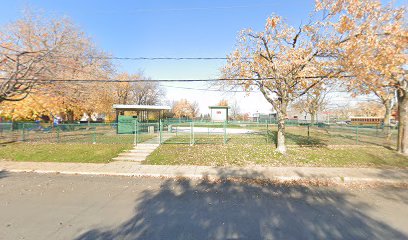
141,150
122,168
138,153
212,130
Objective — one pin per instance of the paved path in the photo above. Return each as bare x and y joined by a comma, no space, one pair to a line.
56,206
126,168
138,153
141,150
212,130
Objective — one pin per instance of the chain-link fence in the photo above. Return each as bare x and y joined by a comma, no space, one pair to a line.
76,133
181,131
265,133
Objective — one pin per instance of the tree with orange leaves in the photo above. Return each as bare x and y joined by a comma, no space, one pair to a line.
283,63
373,43
185,109
34,50
223,103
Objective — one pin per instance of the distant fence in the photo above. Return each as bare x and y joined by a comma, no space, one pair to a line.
177,131
265,133
74,133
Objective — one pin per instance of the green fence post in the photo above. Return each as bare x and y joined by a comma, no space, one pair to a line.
135,132
308,132
191,133
356,134
27,134
23,133
58,134
94,135
160,131
225,132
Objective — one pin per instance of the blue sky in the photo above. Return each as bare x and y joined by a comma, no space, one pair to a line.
177,28
165,28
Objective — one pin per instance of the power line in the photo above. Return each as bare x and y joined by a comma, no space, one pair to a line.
138,58
120,81
133,80
154,58
208,89
156,80
234,91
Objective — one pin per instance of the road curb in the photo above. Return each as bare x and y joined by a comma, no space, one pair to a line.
213,177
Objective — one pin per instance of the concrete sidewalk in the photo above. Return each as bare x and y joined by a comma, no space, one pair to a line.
119,168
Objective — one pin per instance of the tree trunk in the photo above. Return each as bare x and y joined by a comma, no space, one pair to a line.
70,116
387,118
89,118
313,117
280,139
402,144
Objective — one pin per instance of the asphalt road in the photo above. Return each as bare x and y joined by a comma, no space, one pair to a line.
51,206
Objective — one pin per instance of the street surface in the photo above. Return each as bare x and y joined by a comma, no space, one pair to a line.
54,206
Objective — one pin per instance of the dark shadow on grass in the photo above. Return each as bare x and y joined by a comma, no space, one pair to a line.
380,161
186,209
7,142
353,138
298,139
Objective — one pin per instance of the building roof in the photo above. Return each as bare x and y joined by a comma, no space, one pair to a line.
140,107
365,117
218,107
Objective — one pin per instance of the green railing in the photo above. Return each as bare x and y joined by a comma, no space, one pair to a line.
199,132
93,133
320,134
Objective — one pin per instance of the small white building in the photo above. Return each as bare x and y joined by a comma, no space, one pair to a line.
219,113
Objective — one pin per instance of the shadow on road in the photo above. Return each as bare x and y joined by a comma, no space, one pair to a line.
187,209
3,174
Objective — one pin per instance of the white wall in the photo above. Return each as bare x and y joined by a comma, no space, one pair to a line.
219,114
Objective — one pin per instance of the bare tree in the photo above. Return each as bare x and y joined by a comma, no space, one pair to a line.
147,93
137,92
312,102
123,91
234,110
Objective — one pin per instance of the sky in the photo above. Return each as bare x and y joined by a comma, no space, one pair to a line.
177,28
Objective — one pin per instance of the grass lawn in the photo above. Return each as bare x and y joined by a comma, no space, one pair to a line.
61,152
77,136
334,148
334,136
251,154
